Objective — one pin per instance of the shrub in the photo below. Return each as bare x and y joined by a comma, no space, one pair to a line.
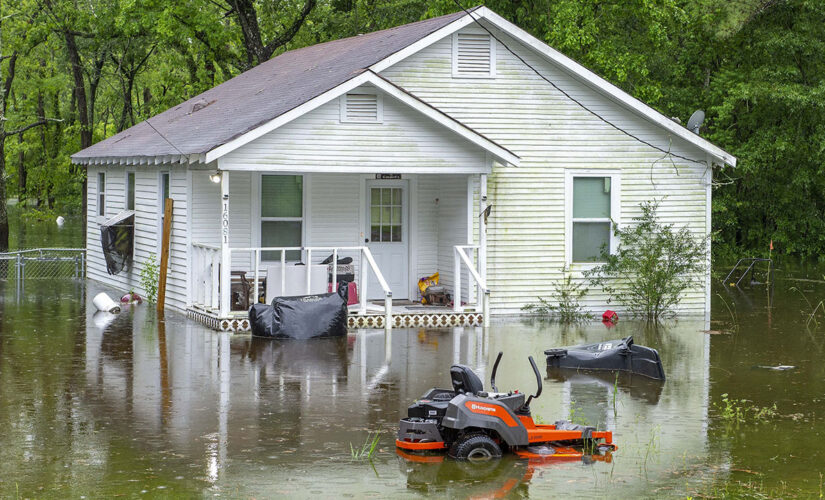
149,277
566,296
652,266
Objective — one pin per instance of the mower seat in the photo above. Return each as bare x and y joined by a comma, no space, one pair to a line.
465,381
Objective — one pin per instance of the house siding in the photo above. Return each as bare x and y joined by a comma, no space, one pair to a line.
551,134
318,140
147,227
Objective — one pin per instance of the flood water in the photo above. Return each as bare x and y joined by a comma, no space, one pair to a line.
129,406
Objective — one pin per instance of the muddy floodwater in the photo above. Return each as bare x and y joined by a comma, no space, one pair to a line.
96,406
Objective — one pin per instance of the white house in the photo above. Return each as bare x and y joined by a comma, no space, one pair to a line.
387,148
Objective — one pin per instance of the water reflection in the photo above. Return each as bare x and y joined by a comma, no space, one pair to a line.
169,404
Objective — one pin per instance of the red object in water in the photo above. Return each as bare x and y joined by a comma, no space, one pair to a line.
610,316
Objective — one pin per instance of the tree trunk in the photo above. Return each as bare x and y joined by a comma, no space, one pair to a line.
256,51
83,116
4,215
21,172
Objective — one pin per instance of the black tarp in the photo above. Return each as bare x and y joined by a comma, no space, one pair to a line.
117,237
302,317
615,355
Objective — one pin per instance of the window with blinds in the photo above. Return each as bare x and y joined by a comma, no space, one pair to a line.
361,107
473,55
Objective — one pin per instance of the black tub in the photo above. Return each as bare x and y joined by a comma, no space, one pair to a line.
612,355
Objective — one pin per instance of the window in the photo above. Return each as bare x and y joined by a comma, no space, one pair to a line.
282,214
101,193
594,203
361,107
385,215
130,191
163,193
474,55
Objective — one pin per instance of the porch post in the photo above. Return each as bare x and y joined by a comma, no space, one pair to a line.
482,242
226,258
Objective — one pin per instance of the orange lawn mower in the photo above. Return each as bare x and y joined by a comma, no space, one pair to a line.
472,424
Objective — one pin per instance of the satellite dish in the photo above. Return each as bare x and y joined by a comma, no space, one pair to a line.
695,121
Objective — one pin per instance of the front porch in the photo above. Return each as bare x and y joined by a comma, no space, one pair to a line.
279,234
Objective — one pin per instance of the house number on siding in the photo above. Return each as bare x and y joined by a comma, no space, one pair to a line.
225,220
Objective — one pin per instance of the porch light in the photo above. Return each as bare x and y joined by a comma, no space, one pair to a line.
216,177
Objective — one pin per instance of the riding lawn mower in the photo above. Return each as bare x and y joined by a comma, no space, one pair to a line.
470,423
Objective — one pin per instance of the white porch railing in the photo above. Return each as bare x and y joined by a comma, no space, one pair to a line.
483,293
207,274
206,262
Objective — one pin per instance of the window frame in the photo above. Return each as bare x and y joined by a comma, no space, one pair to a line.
458,74
258,207
161,203
615,213
101,193
379,100
127,186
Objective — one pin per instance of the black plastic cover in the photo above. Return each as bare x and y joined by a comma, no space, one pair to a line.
302,317
615,355
117,237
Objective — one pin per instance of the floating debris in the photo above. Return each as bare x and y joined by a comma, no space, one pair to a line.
778,368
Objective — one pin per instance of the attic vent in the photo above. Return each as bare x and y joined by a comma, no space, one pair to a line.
473,55
361,108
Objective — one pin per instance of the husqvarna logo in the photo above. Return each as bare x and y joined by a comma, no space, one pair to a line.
474,406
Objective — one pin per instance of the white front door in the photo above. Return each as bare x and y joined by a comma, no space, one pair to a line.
387,235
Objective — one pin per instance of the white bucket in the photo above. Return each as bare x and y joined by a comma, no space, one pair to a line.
105,303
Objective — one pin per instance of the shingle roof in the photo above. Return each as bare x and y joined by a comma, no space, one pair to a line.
259,95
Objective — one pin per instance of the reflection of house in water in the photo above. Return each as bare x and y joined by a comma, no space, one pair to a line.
252,412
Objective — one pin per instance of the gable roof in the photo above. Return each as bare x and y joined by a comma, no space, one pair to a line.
258,95
277,91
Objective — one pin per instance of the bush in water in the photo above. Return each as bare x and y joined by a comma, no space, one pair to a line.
149,277
566,296
652,266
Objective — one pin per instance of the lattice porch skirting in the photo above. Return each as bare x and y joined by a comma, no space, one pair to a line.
433,319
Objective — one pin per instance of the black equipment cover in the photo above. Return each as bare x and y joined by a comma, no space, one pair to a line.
117,237
302,317
617,355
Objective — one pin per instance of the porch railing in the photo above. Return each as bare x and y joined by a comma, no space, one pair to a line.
206,264
483,294
207,274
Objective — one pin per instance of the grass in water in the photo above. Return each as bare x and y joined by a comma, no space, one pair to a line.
813,308
367,450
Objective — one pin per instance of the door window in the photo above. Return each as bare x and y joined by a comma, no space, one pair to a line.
385,215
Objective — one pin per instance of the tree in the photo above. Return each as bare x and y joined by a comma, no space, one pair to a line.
259,50
653,265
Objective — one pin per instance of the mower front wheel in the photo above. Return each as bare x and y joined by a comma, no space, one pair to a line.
475,448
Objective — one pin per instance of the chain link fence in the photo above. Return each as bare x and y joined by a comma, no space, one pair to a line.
42,264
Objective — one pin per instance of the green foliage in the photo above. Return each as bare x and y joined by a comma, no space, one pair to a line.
735,411
149,277
563,305
652,266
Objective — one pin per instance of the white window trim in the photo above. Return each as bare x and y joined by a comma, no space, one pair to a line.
259,219
457,74
161,206
126,190
379,99
101,191
615,213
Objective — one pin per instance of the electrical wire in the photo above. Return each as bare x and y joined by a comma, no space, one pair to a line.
164,138
667,152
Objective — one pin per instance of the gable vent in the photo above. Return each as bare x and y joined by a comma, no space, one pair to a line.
361,108
473,55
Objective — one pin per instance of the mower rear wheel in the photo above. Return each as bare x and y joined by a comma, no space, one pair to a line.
475,448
